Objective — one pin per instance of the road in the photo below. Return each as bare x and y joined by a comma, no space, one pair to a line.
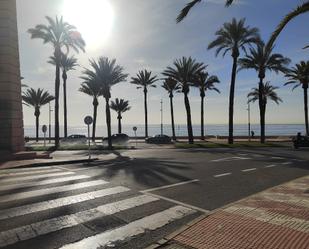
135,197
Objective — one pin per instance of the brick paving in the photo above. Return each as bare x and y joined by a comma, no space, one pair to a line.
277,218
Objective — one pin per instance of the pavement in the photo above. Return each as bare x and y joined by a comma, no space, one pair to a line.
135,198
275,218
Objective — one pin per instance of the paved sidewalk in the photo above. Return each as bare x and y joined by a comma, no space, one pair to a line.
274,219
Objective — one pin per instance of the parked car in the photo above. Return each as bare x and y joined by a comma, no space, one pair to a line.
75,139
159,139
120,138
300,141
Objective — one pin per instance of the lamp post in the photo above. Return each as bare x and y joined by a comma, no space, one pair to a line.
249,122
161,116
49,123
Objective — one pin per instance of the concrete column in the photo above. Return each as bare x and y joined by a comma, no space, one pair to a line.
11,116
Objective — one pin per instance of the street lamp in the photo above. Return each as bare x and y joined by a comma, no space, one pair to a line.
249,123
49,123
161,116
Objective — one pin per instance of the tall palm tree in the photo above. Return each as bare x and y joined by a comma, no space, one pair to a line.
233,37
67,64
107,73
171,86
268,92
301,9
184,12
144,79
60,35
184,72
299,76
36,98
120,106
262,59
205,82
93,89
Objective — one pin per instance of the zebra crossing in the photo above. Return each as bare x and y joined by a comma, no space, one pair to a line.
50,207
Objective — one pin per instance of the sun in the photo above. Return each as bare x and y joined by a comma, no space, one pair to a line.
92,18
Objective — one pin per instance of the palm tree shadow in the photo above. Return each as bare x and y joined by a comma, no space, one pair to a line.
150,171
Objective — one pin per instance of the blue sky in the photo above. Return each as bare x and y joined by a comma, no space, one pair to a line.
144,34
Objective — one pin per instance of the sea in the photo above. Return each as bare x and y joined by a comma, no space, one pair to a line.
181,130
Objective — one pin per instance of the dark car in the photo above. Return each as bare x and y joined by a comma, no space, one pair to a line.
300,141
159,139
120,138
75,138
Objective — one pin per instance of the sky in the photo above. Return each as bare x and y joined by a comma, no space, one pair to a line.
143,34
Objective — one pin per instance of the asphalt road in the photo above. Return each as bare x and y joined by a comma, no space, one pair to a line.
135,198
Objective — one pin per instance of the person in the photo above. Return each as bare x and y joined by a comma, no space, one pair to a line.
298,137
252,134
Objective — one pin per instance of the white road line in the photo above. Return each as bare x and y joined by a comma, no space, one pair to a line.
286,163
36,177
60,202
243,154
169,186
247,170
30,172
224,174
271,166
35,193
231,159
149,223
179,203
5,171
51,225
44,182
277,157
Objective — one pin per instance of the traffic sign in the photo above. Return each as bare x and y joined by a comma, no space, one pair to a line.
88,120
44,128
134,128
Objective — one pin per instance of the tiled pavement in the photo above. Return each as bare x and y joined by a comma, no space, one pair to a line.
274,219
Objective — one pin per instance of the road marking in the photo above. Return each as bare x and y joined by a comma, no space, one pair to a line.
5,171
29,172
149,223
35,193
286,163
247,170
24,178
243,154
44,182
224,174
257,155
51,225
169,186
231,159
179,203
271,166
277,157
60,202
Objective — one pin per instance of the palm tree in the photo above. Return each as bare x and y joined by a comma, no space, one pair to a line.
268,92
93,89
184,72
233,37
66,64
60,35
301,9
144,79
107,73
184,12
120,106
205,82
36,98
171,86
262,59
299,75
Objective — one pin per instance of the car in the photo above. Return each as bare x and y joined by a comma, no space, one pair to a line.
300,141
159,139
75,138
119,138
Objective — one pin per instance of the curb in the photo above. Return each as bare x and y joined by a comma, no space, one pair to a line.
168,238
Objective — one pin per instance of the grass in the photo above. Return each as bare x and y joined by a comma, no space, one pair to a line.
226,145
75,147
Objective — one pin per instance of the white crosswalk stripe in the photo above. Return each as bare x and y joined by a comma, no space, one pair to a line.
35,193
29,172
134,228
17,170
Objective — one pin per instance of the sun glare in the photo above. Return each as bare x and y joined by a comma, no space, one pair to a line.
92,18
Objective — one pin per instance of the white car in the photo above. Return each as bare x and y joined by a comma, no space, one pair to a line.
75,139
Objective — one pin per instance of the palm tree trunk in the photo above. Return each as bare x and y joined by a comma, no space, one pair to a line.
262,114
306,109
95,110
146,112
231,101
202,119
119,122
57,89
65,110
189,122
172,117
108,123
